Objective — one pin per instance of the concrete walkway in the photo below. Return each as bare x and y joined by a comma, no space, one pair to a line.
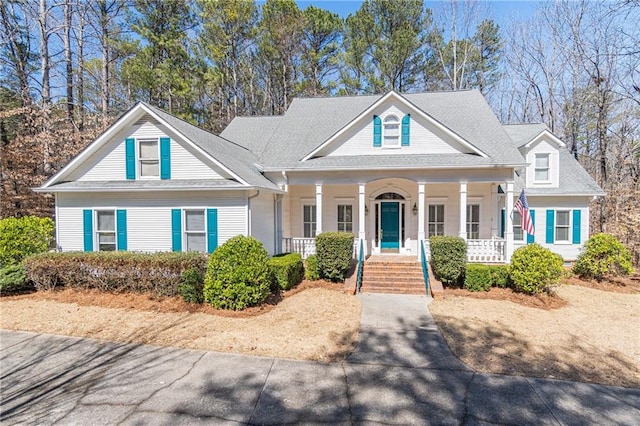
402,372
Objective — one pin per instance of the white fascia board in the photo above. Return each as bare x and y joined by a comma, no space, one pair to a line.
185,188
409,105
548,134
196,147
324,169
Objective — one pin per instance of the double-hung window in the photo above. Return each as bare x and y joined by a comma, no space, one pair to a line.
195,230
563,225
473,221
148,158
542,168
309,220
106,230
391,132
518,233
345,218
436,219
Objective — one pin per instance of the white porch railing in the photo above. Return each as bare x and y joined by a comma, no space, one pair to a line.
480,251
307,246
486,251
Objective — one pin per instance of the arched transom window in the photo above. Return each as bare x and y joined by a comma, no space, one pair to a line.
391,131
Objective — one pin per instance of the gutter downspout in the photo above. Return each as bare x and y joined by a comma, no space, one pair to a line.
249,215
277,223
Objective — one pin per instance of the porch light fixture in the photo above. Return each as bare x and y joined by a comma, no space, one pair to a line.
414,209
366,211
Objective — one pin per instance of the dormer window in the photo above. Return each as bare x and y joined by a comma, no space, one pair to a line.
391,132
542,168
148,158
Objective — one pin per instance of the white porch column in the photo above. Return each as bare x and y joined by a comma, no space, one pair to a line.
463,210
361,207
508,227
495,212
420,218
318,208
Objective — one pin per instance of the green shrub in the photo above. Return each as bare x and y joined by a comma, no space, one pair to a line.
191,286
21,237
287,270
603,255
448,258
334,251
311,269
156,273
478,277
238,275
500,276
535,268
13,280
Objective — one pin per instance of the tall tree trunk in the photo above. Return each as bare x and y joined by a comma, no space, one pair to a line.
80,41
68,57
45,67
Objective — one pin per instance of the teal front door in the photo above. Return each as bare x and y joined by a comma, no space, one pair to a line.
390,225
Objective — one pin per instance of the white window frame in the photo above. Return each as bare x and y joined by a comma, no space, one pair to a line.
98,232
518,232
140,160
435,221
314,219
389,121
344,222
557,226
470,222
185,232
536,167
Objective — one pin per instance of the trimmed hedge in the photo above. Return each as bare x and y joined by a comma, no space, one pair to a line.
287,270
192,284
500,276
13,280
478,277
22,237
535,268
603,255
238,274
448,258
156,273
334,251
311,268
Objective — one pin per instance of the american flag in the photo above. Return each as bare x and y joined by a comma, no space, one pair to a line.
525,217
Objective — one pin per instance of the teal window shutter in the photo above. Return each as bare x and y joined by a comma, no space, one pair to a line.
176,229
531,238
377,131
130,154
406,123
551,229
87,220
576,227
121,229
503,221
212,230
165,158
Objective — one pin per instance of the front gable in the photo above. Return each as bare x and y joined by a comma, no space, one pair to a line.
543,161
394,126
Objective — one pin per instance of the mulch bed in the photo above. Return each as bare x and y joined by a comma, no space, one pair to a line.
626,285
541,301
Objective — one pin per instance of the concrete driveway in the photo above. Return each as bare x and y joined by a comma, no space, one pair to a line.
401,373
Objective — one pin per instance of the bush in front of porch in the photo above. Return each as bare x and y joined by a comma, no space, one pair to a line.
448,258
334,251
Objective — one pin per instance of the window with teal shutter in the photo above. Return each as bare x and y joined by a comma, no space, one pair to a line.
165,158
377,131
121,229
503,221
551,216
406,123
176,229
576,227
87,219
130,156
212,230
531,238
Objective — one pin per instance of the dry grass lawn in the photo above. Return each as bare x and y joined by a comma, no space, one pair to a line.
594,337
312,323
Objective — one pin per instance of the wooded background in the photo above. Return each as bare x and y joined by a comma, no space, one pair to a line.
70,67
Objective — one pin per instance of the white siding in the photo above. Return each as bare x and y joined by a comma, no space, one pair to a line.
262,220
543,147
108,163
149,215
425,137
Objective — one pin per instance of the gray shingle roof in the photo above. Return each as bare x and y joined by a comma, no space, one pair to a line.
522,134
236,158
409,161
141,185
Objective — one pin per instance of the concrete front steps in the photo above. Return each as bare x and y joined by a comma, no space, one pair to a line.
392,274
